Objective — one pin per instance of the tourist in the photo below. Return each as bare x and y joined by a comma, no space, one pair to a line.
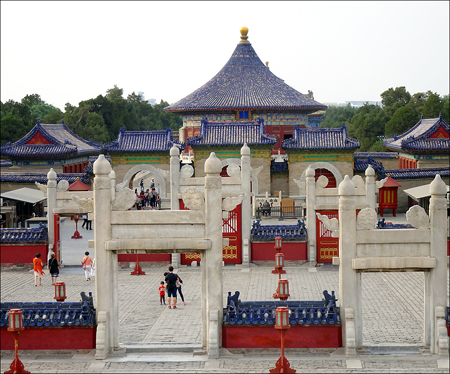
162,293
171,281
146,198
153,198
37,268
138,202
89,224
142,185
179,281
85,220
87,265
158,202
53,268
152,183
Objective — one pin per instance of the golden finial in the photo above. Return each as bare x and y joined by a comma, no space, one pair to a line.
244,31
267,63
78,178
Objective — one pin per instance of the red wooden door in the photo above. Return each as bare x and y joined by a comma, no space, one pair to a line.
57,245
327,246
231,229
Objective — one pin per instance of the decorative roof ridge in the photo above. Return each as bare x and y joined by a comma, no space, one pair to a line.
424,136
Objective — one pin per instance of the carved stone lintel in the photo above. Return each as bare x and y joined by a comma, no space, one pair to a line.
42,187
234,170
230,203
102,183
254,172
358,181
186,171
86,204
331,224
367,219
213,183
193,199
122,185
381,183
62,186
417,217
124,199
322,182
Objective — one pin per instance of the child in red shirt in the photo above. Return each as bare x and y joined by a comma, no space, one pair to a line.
162,293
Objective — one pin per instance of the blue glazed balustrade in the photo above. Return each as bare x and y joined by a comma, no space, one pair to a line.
24,235
262,313
40,314
286,232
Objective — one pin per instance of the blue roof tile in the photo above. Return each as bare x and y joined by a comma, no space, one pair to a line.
24,235
416,138
142,141
64,142
44,314
42,177
417,173
245,82
375,155
232,133
320,138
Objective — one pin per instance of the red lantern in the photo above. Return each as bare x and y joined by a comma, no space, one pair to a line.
282,292
15,320
282,318
16,327
60,291
282,324
278,240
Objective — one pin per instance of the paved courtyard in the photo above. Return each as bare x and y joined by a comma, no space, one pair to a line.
157,339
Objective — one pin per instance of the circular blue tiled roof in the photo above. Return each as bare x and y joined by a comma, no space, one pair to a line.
245,83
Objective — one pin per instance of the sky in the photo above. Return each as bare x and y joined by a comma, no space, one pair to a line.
70,51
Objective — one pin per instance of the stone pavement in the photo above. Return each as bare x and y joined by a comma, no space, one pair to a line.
154,336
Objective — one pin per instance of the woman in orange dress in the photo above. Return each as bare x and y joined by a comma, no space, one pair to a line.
37,267
87,265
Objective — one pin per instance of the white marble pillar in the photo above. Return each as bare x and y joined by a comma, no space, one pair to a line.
436,279
104,267
246,206
311,215
174,191
112,175
213,259
51,204
349,279
370,188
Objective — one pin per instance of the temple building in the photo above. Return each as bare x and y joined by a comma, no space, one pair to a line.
425,145
244,90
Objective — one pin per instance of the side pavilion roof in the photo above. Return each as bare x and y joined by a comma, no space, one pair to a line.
232,133
430,135
245,83
49,140
320,138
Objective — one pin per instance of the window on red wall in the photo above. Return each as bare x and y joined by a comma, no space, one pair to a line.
329,175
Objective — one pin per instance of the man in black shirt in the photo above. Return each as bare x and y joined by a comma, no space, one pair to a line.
171,281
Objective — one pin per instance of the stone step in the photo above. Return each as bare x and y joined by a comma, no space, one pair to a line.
389,349
163,348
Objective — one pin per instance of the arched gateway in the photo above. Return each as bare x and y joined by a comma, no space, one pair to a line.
124,231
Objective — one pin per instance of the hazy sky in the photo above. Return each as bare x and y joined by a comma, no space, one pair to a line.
74,51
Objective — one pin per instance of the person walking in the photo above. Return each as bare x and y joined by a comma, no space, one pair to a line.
37,268
85,220
171,281
162,293
89,224
87,265
53,268
142,185
179,281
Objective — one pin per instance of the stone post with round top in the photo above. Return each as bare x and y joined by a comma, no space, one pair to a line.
246,206
370,188
51,204
311,215
174,191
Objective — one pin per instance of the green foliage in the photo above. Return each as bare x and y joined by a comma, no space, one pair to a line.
403,119
338,115
366,125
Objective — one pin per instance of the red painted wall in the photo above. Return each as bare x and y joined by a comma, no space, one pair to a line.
50,338
22,253
295,337
147,257
266,251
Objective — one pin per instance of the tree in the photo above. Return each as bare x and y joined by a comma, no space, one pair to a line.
394,99
402,120
366,125
12,129
114,93
335,116
433,106
445,110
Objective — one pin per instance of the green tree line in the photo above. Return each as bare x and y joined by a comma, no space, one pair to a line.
98,119
399,112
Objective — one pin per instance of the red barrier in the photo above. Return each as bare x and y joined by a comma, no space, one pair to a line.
147,257
38,338
22,253
296,337
265,251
